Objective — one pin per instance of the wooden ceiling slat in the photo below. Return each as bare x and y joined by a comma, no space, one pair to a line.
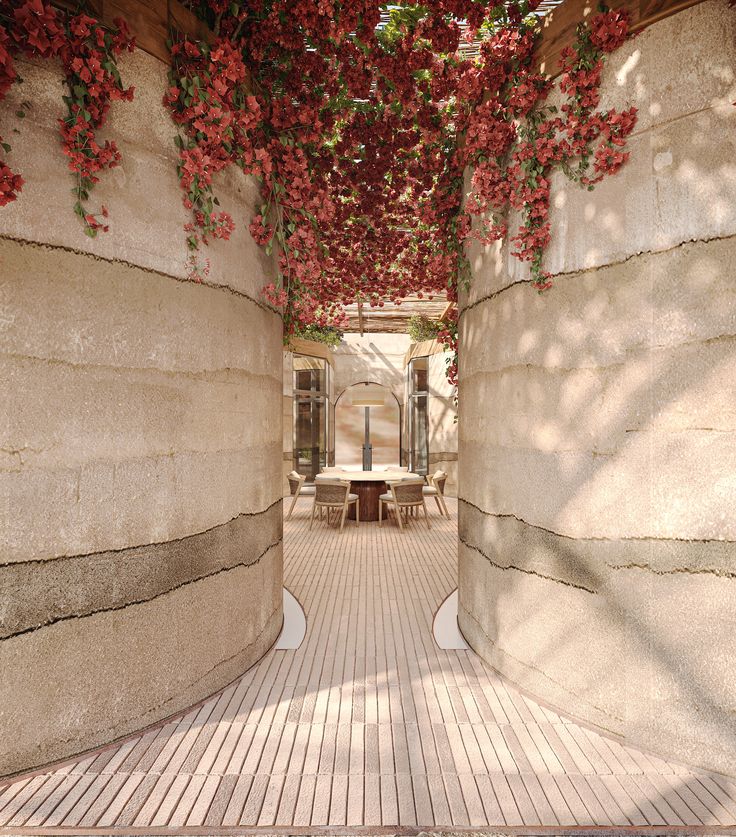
559,25
150,22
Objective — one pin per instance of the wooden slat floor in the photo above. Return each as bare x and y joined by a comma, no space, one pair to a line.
367,724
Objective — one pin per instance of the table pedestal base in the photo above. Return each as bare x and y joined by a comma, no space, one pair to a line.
368,494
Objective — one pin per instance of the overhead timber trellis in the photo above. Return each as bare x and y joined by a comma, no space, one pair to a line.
152,21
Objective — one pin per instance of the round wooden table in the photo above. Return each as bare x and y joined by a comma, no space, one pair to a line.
368,485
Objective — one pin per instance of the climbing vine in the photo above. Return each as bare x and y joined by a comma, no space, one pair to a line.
88,54
586,144
360,120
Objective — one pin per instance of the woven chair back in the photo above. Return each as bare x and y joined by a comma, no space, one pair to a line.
408,492
332,492
439,478
294,480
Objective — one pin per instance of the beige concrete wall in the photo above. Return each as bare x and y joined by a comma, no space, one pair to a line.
377,357
597,456
442,422
381,358
140,476
374,357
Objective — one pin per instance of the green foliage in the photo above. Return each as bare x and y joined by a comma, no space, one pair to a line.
422,328
320,334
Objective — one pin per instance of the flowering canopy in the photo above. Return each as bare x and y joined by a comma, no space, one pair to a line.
360,120
87,52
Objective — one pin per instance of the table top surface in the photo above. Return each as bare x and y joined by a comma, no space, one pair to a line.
368,476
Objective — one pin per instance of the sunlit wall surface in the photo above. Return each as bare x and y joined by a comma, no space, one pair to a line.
597,420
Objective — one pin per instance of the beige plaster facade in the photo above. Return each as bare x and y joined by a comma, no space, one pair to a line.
376,357
141,563
597,456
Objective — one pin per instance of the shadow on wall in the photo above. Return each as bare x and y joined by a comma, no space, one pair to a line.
597,468
598,556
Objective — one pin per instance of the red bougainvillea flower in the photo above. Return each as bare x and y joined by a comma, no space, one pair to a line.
361,135
87,52
609,30
10,184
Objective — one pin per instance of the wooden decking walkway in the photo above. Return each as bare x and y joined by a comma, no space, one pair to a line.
368,724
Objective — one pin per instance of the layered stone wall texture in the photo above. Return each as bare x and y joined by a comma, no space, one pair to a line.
597,445
140,463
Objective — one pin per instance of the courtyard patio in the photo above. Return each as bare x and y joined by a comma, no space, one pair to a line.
367,727
367,461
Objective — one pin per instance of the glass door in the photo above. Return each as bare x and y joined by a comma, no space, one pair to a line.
419,415
310,415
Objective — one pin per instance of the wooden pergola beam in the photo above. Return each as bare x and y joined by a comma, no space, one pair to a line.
150,21
559,25
448,308
360,316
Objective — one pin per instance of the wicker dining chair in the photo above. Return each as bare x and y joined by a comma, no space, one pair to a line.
405,496
436,489
334,495
297,489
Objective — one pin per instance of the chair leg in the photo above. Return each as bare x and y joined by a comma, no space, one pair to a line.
357,512
380,513
293,503
314,509
437,501
426,516
441,498
398,517
344,515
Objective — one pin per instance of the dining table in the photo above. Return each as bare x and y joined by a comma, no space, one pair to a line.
368,485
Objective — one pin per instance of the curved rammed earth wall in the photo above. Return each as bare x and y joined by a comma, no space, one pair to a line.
140,470
597,445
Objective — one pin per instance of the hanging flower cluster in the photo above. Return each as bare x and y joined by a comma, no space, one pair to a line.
586,144
88,53
360,119
447,335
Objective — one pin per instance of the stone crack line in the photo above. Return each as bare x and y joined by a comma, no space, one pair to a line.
524,570
141,545
135,602
584,270
674,570
152,270
625,539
